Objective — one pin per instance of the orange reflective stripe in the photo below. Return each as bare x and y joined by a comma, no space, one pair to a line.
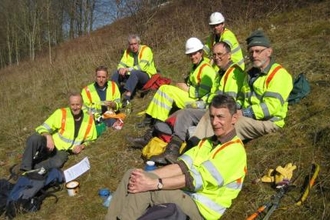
231,69
63,120
142,49
88,93
89,126
271,75
113,88
201,143
226,145
200,72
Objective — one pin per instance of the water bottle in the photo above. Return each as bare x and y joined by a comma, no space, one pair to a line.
106,203
150,165
128,108
104,194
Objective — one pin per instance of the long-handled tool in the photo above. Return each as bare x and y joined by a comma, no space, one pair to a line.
311,182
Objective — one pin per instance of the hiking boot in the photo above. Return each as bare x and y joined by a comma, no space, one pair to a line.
147,121
171,154
15,172
138,142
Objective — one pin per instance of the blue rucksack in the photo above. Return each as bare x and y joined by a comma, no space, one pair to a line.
31,189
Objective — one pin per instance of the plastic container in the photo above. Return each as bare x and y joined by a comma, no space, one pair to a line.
150,165
107,201
104,193
128,108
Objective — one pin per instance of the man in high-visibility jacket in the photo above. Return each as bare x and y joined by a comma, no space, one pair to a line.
197,86
221,33
229,81
135,67
101,96
211,174
264,101
67,130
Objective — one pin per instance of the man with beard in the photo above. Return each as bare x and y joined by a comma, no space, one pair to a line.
67,131
265,93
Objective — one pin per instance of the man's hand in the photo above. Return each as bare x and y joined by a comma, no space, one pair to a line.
183,86
50,142
78,148
110,104
123,71
139,182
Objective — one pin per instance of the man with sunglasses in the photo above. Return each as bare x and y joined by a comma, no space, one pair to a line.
264,102
221,33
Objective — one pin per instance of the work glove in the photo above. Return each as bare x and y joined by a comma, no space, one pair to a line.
279,176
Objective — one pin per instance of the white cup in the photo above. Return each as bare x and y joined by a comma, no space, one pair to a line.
72,188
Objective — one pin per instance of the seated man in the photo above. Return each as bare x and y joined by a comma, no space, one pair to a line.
202,183
221,33
264,94
197,86
135,67
229,81
67,130
101,96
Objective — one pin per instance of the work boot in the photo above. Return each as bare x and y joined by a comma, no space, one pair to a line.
171,153
147,121
140,142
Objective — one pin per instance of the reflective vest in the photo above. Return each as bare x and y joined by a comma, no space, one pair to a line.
92,101
201,80
267,96
61,126
228,37
218,173
145,60
229,83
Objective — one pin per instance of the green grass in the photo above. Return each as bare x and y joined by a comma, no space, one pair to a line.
300,36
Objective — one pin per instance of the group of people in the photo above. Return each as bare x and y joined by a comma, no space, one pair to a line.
237,105
224,102
69,130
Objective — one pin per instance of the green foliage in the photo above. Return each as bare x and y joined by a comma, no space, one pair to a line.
299,31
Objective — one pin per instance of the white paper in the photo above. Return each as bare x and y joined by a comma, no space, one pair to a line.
77,170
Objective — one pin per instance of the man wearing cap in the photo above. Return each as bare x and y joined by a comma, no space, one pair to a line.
264,95
221,33
197,86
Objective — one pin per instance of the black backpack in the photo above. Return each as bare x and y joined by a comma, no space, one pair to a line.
165,211
31,189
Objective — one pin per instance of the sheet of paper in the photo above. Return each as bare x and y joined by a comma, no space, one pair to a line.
77,170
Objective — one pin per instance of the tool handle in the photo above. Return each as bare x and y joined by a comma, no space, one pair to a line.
257,213
316,170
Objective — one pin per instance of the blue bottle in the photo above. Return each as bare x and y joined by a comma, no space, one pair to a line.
150,165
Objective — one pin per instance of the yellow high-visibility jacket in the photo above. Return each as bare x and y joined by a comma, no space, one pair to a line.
92,99
218,172
145,60
228,37
201,80
228,82
267,96
61,126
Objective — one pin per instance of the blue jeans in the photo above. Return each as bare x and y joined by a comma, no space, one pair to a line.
131,81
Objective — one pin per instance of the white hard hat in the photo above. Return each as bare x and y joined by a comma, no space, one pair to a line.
193,45
216,18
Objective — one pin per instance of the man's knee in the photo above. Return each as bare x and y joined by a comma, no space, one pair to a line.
60,158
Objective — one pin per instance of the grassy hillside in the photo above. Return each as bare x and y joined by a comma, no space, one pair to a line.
300,34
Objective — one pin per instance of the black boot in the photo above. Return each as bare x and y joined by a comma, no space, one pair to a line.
147,121
171,154
140,142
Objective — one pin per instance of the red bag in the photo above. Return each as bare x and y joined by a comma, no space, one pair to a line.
155,82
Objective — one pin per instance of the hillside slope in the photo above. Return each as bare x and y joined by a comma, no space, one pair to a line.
300,37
